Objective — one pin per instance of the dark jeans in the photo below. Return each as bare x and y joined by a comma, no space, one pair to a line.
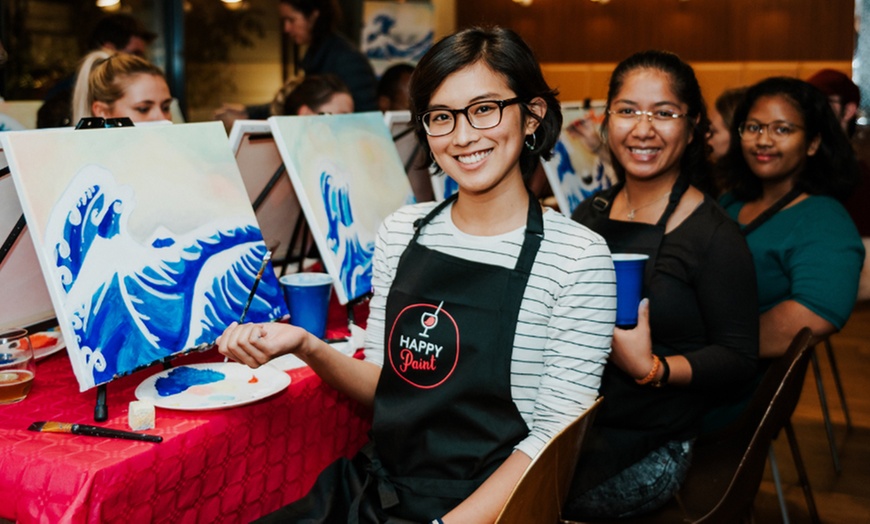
640,488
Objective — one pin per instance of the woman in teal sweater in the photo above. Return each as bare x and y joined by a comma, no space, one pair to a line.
789,163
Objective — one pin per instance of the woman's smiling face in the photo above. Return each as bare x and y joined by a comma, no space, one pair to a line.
773,159
646,147
479,160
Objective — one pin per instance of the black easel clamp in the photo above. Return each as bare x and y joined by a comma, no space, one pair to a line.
96,122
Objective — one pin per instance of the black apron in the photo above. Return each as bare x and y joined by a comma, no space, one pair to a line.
444,417
607,450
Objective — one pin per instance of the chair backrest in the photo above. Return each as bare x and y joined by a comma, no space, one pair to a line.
539,494
727,470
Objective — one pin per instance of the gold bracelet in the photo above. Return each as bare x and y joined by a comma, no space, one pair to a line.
652,373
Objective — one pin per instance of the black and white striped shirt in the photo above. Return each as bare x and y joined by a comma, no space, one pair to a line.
566,318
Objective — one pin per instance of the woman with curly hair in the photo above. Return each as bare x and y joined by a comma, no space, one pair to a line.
788,165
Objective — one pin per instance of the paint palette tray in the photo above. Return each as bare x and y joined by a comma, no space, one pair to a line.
219,385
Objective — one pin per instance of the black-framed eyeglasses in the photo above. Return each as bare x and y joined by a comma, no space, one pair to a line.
481,115
778,129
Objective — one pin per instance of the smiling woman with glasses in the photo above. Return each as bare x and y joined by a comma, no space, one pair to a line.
491,316
696,334
788,164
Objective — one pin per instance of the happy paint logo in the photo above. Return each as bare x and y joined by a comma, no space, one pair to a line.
423,346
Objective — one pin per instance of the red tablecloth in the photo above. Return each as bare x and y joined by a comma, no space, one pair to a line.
230,465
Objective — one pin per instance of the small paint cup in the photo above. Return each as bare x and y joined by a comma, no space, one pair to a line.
307,296
629,283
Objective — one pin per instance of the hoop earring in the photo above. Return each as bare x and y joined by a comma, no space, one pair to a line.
531,147
432,156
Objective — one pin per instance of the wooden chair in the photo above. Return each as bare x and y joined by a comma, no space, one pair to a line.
727,467
541,491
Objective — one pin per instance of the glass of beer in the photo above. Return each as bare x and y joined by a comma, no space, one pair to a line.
17,365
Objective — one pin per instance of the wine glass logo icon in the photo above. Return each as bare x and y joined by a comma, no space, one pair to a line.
429,321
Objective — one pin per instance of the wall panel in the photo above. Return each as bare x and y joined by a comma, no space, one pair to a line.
698,30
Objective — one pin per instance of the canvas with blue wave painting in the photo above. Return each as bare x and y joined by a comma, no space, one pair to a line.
146,238
575,172
396,32
348,177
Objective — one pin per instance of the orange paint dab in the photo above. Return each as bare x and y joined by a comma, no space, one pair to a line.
42,341
253,380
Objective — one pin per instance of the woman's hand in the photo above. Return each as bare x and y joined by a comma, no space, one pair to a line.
256,344
632,348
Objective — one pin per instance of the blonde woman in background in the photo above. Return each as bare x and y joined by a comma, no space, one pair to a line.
120,85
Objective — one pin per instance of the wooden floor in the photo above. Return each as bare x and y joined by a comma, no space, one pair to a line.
843,498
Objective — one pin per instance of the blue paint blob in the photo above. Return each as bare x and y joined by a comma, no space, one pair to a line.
163,242
178,380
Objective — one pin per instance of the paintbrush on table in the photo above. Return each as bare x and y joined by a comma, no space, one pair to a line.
91,431
266,258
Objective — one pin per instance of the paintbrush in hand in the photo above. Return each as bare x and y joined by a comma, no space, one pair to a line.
91,431
266,258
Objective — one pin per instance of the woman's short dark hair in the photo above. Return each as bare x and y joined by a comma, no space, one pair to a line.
684,84
507,55
313,91
327,20
832,171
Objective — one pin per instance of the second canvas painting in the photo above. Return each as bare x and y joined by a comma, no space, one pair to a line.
348,177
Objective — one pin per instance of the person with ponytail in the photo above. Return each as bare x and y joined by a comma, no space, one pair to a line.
116,85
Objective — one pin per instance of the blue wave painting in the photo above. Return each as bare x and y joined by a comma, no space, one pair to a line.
348,176
381,42
577,186
343,238
133,302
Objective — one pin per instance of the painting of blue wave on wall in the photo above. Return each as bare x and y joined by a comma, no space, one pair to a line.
348,176
148,260
396,32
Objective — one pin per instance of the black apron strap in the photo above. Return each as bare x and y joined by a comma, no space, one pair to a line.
531,243
534,235
680,187
420,222
772,210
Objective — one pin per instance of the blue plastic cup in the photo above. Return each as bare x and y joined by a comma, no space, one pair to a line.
307,297
629,283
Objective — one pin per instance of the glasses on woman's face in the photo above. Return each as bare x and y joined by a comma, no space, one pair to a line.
659,117
777,130
481,115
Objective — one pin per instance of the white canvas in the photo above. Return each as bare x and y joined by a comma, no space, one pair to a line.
23,112
25,297
348,177
146,239
575,172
